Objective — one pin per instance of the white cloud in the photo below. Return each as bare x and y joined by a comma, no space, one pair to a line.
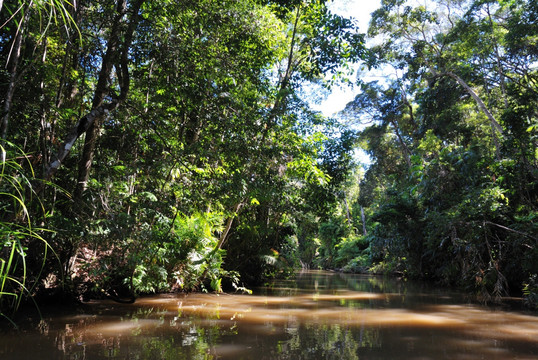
340,96
358,9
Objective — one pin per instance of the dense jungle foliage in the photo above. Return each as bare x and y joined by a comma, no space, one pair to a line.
170,146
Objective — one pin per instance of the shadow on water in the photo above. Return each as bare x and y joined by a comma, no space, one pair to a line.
317,315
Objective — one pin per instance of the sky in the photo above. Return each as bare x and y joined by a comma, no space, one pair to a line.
361,11
340,96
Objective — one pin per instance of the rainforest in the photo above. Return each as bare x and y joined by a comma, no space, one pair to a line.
174,146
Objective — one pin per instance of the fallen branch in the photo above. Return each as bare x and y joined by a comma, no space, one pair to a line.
512,230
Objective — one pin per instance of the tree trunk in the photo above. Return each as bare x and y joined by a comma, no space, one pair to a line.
13,63
67,88
44,130
222,238
477,99
80,128
229,222
363,219
284,83
90,123
407,152
348,213
494,124
101,90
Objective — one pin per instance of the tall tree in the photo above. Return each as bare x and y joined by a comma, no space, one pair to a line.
456,212
115,55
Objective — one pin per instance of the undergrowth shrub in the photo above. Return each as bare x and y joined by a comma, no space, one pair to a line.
21,269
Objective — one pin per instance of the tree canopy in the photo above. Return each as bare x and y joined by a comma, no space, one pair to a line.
452,191
159,146
167,142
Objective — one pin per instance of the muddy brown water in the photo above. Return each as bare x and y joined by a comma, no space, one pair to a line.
315,315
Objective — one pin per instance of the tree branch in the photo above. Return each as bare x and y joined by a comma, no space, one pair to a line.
80,128
476,98
511,230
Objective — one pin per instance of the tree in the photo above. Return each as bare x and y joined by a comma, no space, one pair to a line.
15,18
454,212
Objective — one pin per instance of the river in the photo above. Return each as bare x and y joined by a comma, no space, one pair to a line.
315,315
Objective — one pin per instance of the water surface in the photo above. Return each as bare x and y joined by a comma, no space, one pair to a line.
317,315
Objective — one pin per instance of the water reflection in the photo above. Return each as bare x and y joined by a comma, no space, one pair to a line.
319,315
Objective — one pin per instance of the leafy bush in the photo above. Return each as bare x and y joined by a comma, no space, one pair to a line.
171,254
530,291
19,273
349,249
359,264
290,252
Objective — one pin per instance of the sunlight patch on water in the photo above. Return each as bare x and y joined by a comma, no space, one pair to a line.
323,308
381,321
479,330
119,326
